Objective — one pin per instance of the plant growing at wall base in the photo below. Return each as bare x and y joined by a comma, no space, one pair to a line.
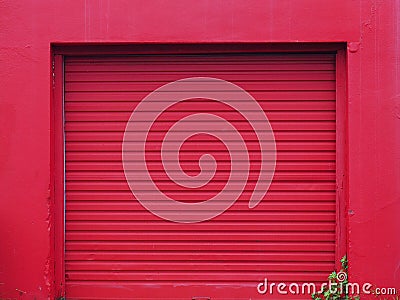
337,288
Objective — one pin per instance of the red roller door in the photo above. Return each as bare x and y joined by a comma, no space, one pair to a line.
115,248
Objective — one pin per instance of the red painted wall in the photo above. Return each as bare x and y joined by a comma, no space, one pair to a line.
371,29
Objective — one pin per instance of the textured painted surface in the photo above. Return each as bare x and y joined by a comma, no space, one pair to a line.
372,29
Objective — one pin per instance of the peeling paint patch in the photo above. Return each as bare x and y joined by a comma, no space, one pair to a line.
48,271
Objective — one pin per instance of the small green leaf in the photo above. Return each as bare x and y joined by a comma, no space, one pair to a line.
332,275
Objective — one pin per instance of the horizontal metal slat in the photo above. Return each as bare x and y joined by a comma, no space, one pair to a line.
173,236
213,127
134,96
156,146
216,227
199,256
200,57
284,196
247,215
171,76
193,66
197,266
253,117
240,205
75,111
217,187
249,86
186,157
162,176
200,246
199,276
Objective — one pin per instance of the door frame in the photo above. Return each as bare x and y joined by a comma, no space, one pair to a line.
57,140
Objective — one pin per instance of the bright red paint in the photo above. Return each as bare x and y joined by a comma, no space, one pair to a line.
371,29
225,256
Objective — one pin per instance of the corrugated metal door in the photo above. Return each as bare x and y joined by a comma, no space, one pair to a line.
117,249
